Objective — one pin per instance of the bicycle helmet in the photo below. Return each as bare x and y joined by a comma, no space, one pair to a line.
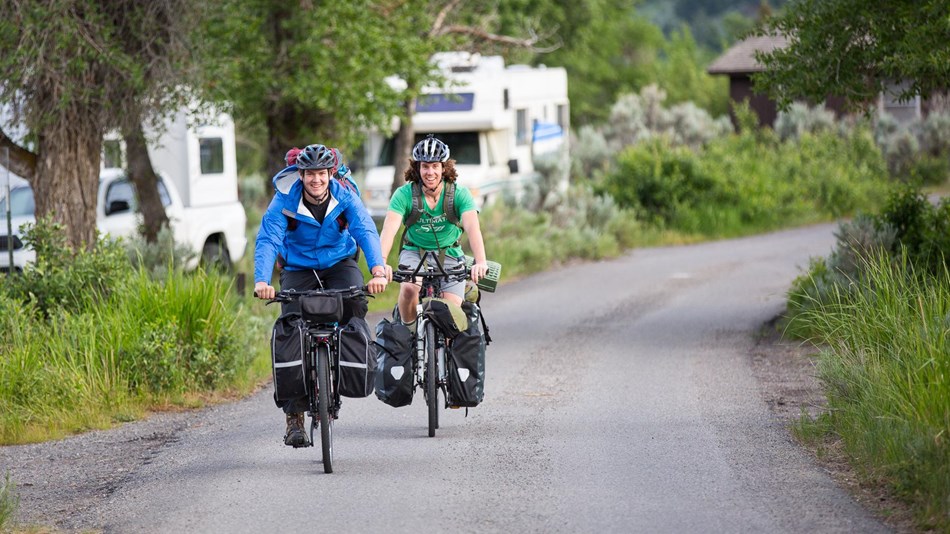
316,157
430,149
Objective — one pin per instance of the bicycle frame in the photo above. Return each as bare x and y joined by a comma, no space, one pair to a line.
322,371
429,363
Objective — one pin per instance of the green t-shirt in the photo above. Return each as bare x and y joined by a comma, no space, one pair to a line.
420,234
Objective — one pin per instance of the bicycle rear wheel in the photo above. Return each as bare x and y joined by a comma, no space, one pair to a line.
432,379
323,406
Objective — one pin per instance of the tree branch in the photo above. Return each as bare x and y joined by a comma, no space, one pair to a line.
507,40
22,161
440,18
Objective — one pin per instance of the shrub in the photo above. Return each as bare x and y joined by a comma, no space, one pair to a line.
800,119
921,228
61,277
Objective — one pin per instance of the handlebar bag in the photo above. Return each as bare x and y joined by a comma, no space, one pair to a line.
447,316
287,350
357,359
465,363
394,378
322,308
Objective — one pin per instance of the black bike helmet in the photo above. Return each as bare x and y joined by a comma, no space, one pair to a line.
316,157
430,149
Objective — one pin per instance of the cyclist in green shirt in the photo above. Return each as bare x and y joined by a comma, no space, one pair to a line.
437,224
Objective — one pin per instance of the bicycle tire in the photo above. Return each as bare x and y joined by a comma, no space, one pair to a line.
432,379
323,406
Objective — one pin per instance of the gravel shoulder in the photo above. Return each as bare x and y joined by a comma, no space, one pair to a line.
72,477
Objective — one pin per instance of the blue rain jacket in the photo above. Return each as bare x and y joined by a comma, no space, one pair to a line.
312,245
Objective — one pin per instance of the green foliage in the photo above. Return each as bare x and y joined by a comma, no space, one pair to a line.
9,501
63,278
854,48
742,183
885,371
578,224
921,228
160,257
123,338
681,71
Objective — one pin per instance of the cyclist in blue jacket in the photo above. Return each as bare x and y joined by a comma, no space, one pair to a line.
314,225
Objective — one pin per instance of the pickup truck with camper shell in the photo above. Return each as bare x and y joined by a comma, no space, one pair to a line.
197,170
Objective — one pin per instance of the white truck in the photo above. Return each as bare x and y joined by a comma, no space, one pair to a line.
197,167
495,119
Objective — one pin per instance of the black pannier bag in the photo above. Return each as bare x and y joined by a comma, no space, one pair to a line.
287,351
447,316
394,379
322,309
357,359
465,363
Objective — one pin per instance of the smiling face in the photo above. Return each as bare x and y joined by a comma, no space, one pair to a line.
315,184
431,174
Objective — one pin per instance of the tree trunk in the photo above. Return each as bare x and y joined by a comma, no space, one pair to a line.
402,147
67,180
143,177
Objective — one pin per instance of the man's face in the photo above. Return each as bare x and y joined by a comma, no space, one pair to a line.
431,173
315,183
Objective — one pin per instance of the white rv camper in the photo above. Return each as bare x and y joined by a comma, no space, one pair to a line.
494,118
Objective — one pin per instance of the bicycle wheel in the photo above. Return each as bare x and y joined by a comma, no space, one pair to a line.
323,406
432,380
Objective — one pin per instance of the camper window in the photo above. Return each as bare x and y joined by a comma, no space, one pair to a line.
211,151
521,134
463,147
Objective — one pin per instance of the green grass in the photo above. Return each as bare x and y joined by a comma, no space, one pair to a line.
886,370
152,344
9,501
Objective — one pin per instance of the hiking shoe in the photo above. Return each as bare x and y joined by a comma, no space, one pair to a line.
295,436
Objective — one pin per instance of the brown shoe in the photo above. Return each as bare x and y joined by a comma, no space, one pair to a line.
295,436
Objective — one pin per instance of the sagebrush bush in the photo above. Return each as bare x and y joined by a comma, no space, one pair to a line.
800,119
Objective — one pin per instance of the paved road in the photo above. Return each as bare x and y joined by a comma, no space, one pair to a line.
619,399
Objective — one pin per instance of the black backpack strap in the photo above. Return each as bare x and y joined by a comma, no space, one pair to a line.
416,209
448,204
481,316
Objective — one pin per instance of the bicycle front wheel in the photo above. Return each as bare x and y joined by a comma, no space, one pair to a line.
323,406
432,379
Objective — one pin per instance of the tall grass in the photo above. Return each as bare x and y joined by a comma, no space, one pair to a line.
150,343
887,377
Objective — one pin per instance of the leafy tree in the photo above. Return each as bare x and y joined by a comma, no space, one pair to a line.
856,49
681,72
70,71
307,72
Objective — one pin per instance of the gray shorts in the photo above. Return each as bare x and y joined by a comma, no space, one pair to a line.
412,259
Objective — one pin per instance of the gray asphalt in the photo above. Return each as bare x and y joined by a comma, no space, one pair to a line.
619,398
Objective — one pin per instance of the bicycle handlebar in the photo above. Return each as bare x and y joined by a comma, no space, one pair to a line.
290,295
404,274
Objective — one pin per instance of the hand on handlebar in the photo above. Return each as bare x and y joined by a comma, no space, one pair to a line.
265,291
377,284
479,271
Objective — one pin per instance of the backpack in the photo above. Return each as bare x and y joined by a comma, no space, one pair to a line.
448,205
465,362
